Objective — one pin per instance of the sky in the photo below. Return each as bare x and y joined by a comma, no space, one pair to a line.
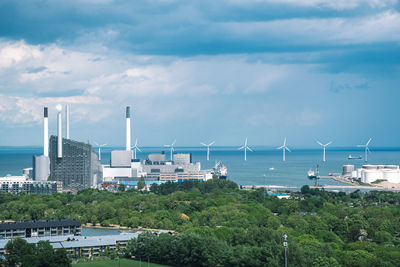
198,71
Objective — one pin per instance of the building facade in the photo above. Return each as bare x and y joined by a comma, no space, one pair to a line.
26,229
78,168
21,184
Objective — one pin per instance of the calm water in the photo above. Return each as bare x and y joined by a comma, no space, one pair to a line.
98,232
290,173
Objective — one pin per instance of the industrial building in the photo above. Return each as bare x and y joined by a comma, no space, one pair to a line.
77,168
23,184
44,228
371,173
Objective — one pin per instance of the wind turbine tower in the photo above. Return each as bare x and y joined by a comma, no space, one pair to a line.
284,148
208,149
171,148
323,149
99,146
245,147
135,147
366,151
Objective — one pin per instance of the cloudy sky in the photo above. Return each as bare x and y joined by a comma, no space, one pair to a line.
205,70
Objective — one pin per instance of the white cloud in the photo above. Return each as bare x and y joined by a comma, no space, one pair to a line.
378,28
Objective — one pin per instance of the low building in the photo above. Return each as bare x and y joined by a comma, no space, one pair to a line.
84,246
22,184
43,228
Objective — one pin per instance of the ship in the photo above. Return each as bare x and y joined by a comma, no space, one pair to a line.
351,157
313,175
220,170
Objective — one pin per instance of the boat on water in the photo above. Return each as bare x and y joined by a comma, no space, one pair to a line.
220,170
313,175
352,157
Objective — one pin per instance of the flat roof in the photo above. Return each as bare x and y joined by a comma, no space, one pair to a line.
39,224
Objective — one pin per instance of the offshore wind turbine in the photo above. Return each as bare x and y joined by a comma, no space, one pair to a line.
284,148
208,149
99,146
171,148
366,146
135,147
323,148
245,147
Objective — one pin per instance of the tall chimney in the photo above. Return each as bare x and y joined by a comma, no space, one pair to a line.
59,132
128,128
67,119
45,132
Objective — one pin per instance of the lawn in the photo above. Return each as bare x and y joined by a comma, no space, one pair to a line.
115,263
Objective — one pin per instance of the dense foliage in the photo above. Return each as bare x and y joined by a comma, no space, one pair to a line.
219,224
23,254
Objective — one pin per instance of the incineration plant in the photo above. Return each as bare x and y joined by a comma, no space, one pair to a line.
68,164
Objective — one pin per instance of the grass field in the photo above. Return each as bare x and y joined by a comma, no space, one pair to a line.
115,263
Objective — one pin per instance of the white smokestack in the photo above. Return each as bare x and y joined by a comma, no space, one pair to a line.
59,132
128,128
67,119
46,133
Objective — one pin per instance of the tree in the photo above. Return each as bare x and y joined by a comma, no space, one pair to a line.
121,187
141,184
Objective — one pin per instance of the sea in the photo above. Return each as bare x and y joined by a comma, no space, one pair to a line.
264,166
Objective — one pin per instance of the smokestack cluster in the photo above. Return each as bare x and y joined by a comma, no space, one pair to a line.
59,132
46,132
128,128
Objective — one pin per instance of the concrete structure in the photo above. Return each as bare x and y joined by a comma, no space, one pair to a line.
26,229
121,158
371,173
78,168
19,184
41,164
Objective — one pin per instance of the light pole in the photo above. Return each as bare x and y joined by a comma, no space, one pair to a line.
285,244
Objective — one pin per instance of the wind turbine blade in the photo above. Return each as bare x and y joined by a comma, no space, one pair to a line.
287,149
203,144
284,142
97,144
240,148
138,149
249,149
319,143
328,144
245,142
360,145
280,147
136,142
369,141
213,142
167,145
173,143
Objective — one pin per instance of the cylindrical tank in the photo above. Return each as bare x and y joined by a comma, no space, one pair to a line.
359,171
354,174
392,176
369,176
369,167
392,167
347,170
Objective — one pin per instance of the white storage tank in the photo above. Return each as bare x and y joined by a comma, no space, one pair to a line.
369,167
392,176
359,170
392,167
354,174
369,176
